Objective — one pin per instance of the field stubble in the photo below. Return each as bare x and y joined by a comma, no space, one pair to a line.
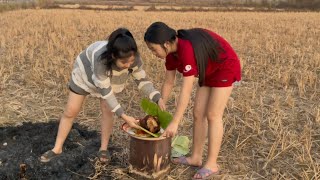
272,122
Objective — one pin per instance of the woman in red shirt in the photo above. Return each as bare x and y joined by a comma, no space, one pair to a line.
203,54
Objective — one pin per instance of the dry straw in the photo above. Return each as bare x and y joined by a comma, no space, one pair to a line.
271,123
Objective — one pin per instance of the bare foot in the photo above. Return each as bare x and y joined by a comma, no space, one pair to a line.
187,161
213,167
207,171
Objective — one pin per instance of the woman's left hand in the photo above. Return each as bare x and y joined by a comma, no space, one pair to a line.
161,104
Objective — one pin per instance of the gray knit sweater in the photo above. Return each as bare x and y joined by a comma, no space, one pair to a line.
90,74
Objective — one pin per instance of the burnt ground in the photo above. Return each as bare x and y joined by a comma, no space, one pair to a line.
21,147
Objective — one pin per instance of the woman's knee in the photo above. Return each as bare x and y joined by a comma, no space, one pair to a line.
212,116
105,107
70,113
106,112
198,115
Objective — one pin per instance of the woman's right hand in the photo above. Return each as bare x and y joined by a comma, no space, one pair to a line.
132,122
171,130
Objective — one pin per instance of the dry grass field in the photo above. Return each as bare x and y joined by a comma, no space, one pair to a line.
272,122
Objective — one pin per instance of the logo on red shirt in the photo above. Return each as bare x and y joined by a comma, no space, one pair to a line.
187,68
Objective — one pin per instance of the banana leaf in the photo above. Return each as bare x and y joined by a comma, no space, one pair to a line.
153,109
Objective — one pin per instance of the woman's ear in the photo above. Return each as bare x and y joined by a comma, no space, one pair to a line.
167,45
113,56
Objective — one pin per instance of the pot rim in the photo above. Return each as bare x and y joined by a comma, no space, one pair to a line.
125,127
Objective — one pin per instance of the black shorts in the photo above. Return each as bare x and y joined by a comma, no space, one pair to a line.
76,89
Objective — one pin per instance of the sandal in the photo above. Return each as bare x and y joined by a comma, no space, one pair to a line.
105,155
182,160
48,156
205,173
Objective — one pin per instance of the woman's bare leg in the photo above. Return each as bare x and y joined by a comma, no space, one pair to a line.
106,125
199,126
72,109
217,103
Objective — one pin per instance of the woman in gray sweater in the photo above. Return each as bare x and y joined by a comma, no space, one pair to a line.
101,70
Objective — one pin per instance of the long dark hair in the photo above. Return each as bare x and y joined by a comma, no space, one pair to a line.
121,44
204,46
159,33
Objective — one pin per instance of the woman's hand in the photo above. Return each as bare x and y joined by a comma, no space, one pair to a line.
182,104
131,121
171,130
161,104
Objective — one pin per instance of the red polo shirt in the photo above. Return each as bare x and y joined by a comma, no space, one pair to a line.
217,74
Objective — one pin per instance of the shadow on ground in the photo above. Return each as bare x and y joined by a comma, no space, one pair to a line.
21,147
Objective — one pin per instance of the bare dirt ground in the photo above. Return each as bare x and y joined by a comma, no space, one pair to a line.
23,144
